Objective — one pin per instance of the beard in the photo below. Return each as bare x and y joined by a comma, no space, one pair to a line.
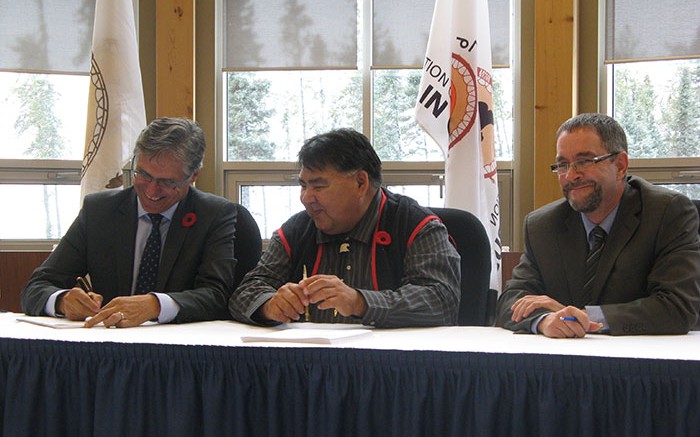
588,204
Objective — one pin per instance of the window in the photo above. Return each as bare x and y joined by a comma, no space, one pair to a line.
44,67
292,69
654,87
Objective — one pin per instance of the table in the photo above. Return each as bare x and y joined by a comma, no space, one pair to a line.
199,379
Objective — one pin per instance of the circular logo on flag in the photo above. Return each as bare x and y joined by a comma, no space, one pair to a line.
463,99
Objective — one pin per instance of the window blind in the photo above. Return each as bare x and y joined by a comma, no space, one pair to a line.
401,28
650,29
52,36
290,34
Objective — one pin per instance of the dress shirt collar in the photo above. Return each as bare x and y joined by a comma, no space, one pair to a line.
606,224
167,214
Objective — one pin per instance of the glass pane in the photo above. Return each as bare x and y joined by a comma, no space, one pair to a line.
692,191
658,104
397,136
44,115
270,114
426,195
271,205
47,211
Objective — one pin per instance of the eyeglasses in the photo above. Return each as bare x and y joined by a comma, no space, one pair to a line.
162,182
580,165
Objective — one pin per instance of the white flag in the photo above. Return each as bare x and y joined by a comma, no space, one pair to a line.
116,111
455,107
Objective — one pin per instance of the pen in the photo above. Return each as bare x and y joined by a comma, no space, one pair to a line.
84,284
568,319
306,310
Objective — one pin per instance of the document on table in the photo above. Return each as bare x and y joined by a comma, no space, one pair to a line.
52,322
58,323
309,333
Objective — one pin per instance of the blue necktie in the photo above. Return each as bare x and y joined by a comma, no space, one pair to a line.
148,270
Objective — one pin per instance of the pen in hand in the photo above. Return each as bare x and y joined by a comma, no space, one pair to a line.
86,287
568,319
84,284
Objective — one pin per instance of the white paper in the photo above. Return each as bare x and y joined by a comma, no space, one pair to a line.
310,335
52,322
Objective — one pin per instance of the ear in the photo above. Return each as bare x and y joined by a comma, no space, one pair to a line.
622,162
362,180
194,177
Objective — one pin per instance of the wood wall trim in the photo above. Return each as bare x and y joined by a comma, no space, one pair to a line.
555,85
175,58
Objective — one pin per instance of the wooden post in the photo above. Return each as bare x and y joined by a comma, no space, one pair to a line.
175,58
555,82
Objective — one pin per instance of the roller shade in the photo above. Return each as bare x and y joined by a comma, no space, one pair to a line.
651,29
295,34
46,35
401,28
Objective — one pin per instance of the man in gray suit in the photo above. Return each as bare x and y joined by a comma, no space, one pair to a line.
189,279
642,276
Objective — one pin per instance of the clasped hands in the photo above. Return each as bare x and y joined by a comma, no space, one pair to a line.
562,322
326,291
120,312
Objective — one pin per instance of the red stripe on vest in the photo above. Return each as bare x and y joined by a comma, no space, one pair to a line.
285,243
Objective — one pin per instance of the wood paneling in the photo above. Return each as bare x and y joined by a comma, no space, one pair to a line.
175,58
510,260
15,270
555,74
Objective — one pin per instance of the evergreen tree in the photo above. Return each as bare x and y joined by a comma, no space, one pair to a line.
248,126
397,136
635,108
36,116
504,118
682,115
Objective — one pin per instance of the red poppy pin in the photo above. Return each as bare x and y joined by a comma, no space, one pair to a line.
382,237
189,219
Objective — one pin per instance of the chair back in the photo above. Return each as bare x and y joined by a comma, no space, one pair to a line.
247,247
477,305
697,205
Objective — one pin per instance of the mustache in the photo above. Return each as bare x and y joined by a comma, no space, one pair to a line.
572,185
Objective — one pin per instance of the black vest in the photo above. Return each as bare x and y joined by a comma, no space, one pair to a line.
400,218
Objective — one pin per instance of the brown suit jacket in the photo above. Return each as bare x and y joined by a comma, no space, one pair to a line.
649,271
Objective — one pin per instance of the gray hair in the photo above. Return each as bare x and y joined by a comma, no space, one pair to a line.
609,130
181,137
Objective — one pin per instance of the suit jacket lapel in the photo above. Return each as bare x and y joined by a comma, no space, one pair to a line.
573,254
125,229
625,225
174,240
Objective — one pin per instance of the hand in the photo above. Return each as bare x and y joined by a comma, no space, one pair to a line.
127,311
330,292
287,304
76,304
554,325
524,306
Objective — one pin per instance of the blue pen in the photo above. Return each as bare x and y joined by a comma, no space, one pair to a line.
568,319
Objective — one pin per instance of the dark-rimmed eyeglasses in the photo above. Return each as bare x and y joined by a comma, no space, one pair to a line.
140,174
580,165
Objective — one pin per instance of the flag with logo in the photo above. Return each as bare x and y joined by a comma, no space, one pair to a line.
116,111
455,108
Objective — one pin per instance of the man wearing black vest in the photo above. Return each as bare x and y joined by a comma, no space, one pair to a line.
358,254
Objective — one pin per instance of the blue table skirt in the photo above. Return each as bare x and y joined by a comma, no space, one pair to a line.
56,388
